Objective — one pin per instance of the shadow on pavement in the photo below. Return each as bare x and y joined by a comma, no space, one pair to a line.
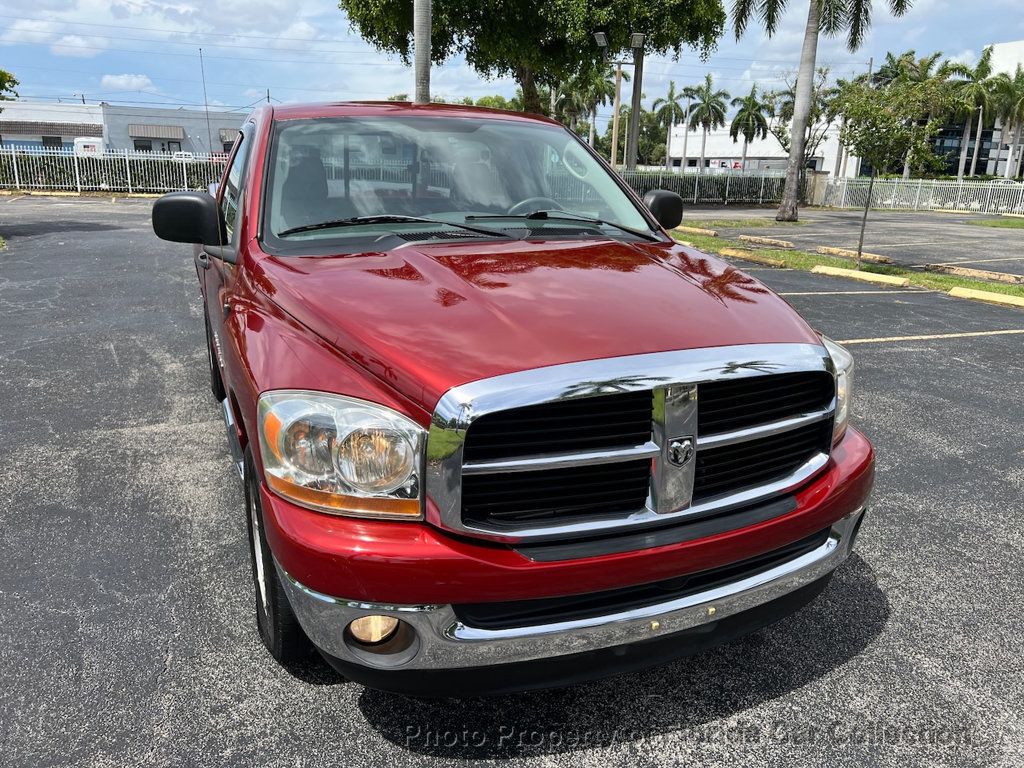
689,693
55,225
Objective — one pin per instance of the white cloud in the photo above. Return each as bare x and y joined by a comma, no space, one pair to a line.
127,82
78,46
966,56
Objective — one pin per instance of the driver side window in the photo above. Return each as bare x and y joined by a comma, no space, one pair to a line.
231,199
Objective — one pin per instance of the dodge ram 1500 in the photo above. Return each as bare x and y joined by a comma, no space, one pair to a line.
497,430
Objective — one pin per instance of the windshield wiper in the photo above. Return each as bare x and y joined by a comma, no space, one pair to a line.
384,218
564,216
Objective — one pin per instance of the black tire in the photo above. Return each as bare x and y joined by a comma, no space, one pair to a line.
216,382
275,621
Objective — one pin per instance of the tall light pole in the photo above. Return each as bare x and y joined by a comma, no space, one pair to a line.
421,48
636,43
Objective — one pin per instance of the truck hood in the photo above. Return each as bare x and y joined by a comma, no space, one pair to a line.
425,318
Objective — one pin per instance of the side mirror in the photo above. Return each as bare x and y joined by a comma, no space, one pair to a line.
666,206
188,217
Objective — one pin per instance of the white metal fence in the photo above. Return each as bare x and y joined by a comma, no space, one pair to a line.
999,196
135,172
127,171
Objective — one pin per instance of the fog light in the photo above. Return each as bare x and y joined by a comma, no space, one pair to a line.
373,629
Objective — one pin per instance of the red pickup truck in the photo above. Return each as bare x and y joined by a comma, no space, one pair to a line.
497,429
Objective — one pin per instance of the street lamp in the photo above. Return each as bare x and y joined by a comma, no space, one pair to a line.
602,41
636,42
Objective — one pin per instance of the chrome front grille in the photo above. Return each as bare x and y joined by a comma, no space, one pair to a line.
605,445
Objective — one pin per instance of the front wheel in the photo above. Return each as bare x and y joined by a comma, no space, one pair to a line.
278,628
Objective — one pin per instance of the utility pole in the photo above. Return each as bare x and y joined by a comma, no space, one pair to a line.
636,42
615,112
206,104
421,22
268,95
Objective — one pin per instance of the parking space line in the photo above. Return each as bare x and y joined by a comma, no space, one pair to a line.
853,293
927,337
979,261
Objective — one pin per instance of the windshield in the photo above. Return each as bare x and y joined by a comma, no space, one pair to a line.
489,174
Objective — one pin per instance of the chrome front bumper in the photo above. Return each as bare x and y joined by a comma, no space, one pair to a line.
444,642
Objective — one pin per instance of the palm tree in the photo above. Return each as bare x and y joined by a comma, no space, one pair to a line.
830,17
669,111
708,111
598,90
1010,103
894,68
571,103
974,94
750,121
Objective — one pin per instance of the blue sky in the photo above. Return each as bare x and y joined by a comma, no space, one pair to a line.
143,51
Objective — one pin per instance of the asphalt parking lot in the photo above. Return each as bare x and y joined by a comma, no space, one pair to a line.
911,239
127,635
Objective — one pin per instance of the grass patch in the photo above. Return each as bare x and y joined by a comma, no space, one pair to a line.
803,260
738,223
1001,223
3,243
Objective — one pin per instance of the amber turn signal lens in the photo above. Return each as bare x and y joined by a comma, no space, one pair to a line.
373,629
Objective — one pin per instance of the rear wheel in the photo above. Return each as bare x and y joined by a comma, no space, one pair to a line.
278,628
216,382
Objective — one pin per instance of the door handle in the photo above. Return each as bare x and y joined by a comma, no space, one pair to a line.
202,260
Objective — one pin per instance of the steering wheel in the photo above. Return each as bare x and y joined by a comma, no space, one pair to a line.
534,204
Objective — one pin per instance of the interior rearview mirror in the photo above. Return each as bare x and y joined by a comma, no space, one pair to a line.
188,217
666,206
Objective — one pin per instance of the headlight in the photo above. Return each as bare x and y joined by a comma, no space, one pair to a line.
843,362
341,455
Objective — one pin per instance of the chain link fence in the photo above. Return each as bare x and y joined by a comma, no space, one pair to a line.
999,196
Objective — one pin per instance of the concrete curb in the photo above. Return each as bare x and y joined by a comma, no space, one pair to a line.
756,240
846,253
739,253
867,277
697,231
988,296
977,274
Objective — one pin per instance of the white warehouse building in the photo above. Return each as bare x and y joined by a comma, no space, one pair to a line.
763,155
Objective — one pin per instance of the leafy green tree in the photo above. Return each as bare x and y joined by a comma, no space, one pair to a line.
497,102
928,70
398,97
537,43
750,120
708,111
882,126
670,110
832,17
8,84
